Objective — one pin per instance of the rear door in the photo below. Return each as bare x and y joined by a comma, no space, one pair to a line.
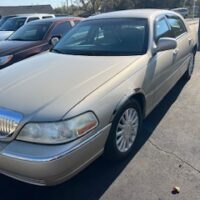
162,63
184,42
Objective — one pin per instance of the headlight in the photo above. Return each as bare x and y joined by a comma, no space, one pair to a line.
5,59
58,132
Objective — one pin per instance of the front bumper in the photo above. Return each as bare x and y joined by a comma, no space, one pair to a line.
51,164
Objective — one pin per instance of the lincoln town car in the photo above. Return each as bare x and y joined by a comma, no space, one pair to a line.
88,96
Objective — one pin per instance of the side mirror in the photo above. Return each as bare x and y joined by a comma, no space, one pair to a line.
165,44
54,40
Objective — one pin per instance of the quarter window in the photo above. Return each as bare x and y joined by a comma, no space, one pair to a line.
177,25
33,19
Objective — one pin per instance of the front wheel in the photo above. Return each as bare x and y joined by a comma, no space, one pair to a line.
189,72
125,128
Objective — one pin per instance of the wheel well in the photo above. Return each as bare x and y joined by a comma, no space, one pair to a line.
140,98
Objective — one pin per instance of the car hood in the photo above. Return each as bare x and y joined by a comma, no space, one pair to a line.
8,47
5,34
45,87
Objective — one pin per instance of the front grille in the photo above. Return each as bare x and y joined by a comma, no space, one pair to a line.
9,121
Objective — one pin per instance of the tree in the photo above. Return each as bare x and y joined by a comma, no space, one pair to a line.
109,5
164,4
93,6
90,6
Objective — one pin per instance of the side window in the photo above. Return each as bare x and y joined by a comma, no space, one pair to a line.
46,17
32,19
61,29
177,25
162,29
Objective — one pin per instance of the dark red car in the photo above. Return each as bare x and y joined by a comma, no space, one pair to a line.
34,38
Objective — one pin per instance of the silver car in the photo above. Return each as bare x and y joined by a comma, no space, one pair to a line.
63,109
14,23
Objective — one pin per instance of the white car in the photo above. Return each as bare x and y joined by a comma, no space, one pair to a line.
13,24
182,11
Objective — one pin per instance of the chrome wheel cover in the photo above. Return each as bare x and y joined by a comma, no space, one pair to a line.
127,129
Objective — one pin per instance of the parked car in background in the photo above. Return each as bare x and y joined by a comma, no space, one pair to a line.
182,11
62,15
61,110
34,38
5,18
11,25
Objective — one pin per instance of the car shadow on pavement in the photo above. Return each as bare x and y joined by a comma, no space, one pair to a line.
98,177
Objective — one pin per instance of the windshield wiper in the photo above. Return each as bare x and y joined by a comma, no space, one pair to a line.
17,39
57,51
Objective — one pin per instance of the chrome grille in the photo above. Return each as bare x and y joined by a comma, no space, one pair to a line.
9,121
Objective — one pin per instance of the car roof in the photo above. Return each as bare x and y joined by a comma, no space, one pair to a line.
33,15
180,9
54,20
135,13
5,16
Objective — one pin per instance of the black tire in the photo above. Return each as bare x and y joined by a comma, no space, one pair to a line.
188,74
111,150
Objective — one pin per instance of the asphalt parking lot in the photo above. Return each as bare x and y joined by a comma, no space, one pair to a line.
166,155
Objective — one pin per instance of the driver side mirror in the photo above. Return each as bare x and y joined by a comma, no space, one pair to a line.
54,40
165,44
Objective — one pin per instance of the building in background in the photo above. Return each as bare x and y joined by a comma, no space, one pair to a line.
13,10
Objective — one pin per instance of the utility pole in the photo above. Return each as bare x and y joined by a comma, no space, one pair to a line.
67,5
67,1
71,7
194,7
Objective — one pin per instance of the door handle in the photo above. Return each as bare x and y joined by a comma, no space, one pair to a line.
176,51
190,40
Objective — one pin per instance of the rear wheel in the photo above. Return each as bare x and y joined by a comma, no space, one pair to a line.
125,128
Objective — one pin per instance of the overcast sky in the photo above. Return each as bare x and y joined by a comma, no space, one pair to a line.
54,3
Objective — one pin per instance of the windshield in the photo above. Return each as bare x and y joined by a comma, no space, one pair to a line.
4,19
106,37
13,24
30,32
